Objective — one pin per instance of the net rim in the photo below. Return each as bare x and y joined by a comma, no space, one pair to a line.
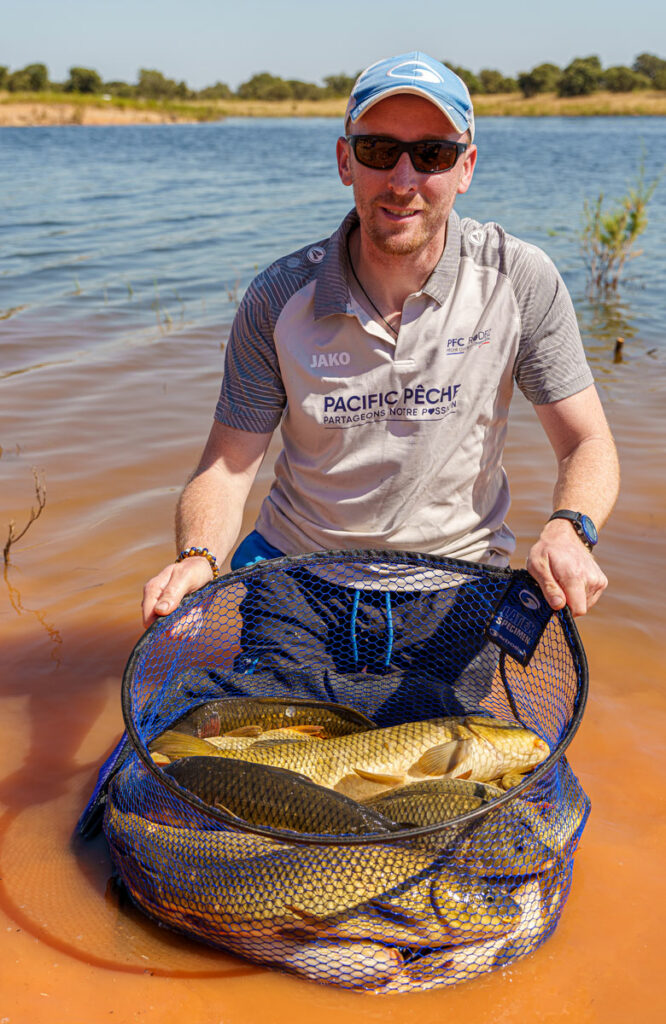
287,836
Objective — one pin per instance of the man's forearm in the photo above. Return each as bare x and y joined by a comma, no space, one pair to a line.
588,479
210,513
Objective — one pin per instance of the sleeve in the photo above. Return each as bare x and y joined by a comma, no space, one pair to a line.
252,396
551,362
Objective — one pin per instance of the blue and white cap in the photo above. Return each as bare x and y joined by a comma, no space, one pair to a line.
415,73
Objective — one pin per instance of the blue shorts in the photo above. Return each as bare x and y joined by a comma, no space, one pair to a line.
253,549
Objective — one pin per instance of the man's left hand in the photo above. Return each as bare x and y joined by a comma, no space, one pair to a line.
565,569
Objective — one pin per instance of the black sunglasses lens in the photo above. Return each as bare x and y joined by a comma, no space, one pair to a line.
381,154
431,157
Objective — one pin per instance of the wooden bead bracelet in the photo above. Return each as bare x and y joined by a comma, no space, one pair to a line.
200,553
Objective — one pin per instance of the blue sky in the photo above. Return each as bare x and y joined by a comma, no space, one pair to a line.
203,41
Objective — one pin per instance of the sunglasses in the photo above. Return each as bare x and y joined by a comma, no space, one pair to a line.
428,156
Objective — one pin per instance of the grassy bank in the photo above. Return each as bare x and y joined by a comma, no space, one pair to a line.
70,108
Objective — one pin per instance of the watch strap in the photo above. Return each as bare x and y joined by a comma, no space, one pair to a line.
588,536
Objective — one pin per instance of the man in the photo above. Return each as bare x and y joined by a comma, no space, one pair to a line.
388,353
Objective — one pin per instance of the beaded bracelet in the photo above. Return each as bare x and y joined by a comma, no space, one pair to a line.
200,553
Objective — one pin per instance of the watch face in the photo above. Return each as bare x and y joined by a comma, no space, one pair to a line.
589,529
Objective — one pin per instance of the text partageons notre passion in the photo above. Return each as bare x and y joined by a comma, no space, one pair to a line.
405,403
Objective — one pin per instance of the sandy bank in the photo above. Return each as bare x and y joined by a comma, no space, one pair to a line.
35,113
33,109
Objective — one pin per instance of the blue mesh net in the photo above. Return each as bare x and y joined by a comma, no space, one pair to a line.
331,767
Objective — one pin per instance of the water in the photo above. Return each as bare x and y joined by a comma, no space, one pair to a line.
125,251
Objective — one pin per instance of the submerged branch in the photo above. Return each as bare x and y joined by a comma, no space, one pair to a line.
13,536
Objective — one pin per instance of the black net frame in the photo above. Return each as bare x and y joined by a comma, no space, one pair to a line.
510,699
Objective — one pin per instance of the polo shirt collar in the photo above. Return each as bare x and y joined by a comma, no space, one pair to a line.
442,279
331,287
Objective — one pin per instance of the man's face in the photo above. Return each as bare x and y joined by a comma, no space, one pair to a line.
403,211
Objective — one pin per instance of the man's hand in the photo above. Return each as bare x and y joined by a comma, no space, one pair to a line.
165,591
565,569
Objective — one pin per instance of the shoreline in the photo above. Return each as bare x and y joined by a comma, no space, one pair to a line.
35,109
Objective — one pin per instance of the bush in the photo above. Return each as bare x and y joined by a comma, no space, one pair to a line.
154,86
264,86
652,67
608,237
581,77
542,78
121,89
622,79
495,82
4,76
219,91
32,78
339,85
83,80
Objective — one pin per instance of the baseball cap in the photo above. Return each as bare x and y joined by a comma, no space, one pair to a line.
415,73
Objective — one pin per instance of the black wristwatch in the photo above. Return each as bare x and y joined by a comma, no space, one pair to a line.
581,523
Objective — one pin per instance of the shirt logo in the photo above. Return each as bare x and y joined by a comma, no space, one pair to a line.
316,254
332,359
456,346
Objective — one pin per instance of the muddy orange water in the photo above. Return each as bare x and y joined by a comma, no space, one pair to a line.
69,950
112,406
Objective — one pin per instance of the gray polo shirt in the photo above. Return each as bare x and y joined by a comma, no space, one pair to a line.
397,443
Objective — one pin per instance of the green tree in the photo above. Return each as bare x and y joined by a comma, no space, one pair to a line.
471,80
4,76
122,89
219,91
339,85
542,78
31,78
623,79
652,67
154,86
495,82
581,77
264,86
83,80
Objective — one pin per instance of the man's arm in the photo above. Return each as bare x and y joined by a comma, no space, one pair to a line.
587,481
209,514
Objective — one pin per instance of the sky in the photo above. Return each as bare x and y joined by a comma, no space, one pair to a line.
205,41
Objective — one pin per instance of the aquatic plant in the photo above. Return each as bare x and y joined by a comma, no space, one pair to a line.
608,236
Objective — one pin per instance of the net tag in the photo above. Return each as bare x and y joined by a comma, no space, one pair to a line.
519,618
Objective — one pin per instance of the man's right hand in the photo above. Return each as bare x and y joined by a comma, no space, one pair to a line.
165,591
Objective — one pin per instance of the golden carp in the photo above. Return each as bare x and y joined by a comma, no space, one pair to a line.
501,842
351,964
463,962
275,797
230,714
234,882
398,754
439,909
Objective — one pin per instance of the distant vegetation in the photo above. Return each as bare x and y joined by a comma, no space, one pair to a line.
581,77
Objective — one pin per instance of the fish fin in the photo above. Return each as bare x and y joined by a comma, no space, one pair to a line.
380,777
442,759
309,730
245,730
225,810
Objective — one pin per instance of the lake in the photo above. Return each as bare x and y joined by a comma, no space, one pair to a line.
125,251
